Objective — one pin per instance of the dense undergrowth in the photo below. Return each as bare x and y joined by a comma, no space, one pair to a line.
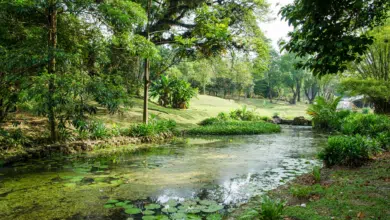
237,122
358,136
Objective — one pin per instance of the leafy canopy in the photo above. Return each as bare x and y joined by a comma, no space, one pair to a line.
333,31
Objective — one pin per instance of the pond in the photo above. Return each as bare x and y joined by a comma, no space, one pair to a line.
198,177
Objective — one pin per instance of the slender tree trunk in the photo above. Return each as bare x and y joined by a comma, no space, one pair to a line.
146,91
299,91
146,75
52,46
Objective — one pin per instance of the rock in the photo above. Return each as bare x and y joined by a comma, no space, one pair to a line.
303,205
276,120
301,121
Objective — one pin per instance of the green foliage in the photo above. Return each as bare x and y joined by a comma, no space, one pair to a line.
173,92
98,130
304,192
316,174
331,35
153,128
271,209
365,124
236,128
350,151
325,115
12,138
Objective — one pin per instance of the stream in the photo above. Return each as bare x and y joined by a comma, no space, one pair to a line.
199,178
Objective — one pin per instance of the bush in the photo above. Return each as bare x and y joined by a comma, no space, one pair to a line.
173,92
348,150
98,130
244,115
209,121
236,128
153,128
365,124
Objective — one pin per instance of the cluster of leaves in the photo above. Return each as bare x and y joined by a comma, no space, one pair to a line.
12,138
173,92
325,115
269,210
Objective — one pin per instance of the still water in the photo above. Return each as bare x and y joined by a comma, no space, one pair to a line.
212,174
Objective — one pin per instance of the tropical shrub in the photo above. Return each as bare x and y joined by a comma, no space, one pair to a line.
173,92
348,150
98,130
210,121
243,115
324,113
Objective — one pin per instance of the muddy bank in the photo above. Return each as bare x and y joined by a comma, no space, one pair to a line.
40,151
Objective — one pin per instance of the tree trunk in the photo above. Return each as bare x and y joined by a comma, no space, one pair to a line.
299,91
52,46
146,74
146,92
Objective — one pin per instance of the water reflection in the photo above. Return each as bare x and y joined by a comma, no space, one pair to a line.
229,170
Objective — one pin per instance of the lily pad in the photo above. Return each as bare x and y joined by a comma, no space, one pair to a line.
148,212
120,204
162,217
212,208
171,203
128,206
149,217
189,203
178,216
191,209
112,201
152,206
169,209
109,206
133,211
208,202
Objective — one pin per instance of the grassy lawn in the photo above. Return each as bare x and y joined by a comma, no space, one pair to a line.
361,193
201,108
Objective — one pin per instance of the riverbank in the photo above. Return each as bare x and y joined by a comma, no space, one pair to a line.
341,193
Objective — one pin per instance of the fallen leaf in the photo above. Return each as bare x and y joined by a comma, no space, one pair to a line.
360,215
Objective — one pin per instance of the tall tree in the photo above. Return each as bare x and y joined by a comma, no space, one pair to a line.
331,31
371,76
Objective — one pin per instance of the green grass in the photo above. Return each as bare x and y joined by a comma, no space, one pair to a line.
343,194
202,107
236,128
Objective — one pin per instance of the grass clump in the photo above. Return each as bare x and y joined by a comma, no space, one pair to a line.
236,128
349,151
155,127
317,174
305,192
269,210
